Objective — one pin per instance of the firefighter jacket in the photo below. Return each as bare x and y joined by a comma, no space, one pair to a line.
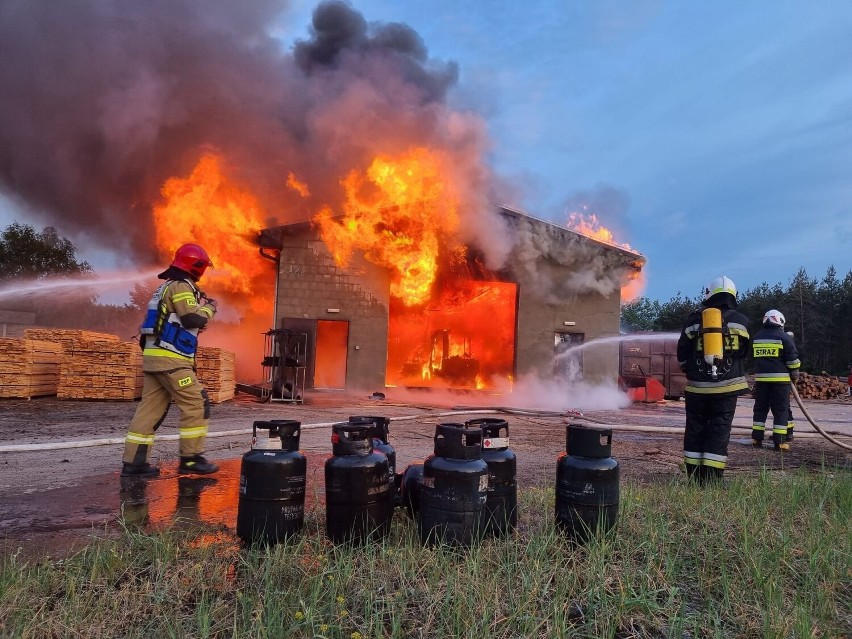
175,315
730,372
774,355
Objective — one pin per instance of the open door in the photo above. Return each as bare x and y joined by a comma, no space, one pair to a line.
568,364
332,346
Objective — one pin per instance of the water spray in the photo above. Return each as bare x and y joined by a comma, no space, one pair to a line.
80,285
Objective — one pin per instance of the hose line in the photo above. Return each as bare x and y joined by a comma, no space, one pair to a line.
813,423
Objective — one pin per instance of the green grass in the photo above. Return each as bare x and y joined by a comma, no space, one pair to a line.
765,556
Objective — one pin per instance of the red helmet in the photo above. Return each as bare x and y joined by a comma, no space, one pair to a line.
193,259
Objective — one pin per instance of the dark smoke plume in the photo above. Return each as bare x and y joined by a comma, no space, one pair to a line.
103,100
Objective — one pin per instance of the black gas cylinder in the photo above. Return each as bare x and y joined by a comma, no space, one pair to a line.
410,489
358,498
271,505
380,432
454,487
502,504
587,482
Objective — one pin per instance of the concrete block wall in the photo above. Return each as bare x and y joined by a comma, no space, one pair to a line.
310,283
594,315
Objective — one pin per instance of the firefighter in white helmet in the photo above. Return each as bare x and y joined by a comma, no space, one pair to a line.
177,311
776,364
711,351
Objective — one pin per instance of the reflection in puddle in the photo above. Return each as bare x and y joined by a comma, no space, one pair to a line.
183,501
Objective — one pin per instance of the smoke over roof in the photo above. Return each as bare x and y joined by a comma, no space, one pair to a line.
104,101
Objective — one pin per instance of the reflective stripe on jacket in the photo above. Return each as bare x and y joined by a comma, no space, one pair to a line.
774,354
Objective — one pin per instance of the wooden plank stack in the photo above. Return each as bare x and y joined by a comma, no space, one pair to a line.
29,367
67,336
101,369
215,368
821,386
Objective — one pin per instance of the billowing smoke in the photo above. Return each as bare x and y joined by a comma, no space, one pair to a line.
103,100
542,253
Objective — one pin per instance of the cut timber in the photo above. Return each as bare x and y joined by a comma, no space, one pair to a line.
821,386
215,369
29,367
67,336
101,369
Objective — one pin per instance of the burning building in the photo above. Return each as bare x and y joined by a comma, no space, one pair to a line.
368,324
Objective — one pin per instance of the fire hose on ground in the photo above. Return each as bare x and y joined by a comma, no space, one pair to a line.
813,423
457,410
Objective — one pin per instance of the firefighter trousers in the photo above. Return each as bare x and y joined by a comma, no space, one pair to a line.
707,433
774,396
158,391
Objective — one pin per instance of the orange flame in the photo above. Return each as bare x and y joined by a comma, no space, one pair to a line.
205,208
297,185
589,226
402,214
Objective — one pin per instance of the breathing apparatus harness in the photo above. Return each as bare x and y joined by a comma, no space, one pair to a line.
714,335
162,329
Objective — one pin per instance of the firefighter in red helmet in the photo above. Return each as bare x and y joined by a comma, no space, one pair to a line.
176,313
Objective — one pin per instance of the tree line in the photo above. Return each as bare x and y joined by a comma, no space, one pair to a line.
818,312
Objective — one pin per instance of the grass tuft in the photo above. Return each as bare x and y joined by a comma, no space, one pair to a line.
762,556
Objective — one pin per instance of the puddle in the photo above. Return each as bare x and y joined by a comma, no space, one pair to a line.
107,501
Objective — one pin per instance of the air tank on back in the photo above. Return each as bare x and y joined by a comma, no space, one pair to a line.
454,487
587,483
271,503
359,502
501,506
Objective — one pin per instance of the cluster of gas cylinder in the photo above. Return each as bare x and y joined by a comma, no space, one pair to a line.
466,490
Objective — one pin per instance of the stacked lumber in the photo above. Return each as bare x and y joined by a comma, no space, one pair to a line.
67,336
101,369
821,386
215,370
28,367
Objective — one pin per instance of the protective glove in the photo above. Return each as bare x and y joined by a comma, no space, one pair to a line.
211,304
794,375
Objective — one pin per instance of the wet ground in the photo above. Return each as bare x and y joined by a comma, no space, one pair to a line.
53,501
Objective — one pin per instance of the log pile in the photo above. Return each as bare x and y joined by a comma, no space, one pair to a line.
29,367
215,370
821,386
101,369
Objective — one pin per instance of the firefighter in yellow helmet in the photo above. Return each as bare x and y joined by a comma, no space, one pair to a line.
776,363
169,338
711,351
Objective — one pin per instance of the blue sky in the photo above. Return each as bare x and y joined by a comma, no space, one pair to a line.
714,137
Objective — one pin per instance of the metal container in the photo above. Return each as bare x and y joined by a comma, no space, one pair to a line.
358,497
380,432
271,504
454,487
410,489
502,504
587,483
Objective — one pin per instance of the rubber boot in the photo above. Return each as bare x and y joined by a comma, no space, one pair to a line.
196,465
789,436
713,475
693,473
779,442
144,470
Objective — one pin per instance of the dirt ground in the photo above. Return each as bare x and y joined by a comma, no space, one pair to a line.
50,498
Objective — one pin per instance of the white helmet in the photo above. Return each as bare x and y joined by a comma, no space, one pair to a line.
774,317
720,285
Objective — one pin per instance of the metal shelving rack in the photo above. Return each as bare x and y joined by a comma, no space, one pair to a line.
284,364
